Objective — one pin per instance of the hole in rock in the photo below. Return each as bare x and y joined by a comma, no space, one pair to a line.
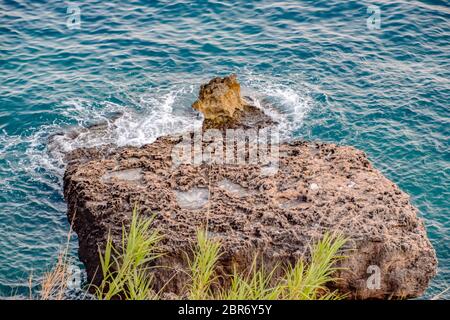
233,187
194,198
127,175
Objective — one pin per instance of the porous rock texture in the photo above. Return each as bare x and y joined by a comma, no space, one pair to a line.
219,99
317,187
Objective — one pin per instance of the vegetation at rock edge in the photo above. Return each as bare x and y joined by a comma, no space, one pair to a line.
127,274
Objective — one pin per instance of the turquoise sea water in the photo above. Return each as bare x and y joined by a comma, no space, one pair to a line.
328,75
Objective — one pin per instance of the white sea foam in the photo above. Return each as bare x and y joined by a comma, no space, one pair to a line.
286,104
90,124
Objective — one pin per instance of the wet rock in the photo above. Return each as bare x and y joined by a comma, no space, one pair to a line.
57,143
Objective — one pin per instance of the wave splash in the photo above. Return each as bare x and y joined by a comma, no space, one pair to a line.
92,124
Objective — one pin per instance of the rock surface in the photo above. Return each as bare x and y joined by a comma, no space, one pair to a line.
316,187
220,97
222,106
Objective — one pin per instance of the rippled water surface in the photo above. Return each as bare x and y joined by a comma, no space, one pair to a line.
328,76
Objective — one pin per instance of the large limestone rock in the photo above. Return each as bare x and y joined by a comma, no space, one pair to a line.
254,209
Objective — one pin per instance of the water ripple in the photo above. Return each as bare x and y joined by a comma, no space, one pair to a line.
324,74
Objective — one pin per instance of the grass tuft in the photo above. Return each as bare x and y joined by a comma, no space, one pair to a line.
299,282
124,270
307,282
256,285
54,282
202,266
